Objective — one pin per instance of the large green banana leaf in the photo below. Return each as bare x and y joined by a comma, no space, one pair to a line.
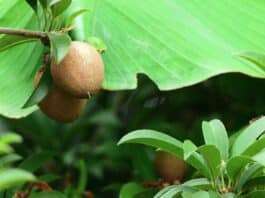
176,43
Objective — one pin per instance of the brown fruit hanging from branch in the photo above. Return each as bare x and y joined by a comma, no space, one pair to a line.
61,106
169,167
81,72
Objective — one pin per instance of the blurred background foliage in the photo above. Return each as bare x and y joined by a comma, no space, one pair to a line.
82,158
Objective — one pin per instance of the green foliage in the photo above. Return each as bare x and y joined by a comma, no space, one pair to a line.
11,177
59,46
228,172
194,46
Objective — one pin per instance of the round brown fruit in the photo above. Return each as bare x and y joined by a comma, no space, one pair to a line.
169,167
81,72
61,106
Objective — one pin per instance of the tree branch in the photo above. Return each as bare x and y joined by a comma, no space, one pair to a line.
25,33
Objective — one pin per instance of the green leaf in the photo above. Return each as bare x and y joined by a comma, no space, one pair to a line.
248,136
256,58
175,43
7,42
194,158
189,148
260,157
49,178
129,190
72,16
155,139
19,63
8,159
236,164
60,43
256,194
198,183
35,161
10,138
247,174
255,148
255,183
53,194
59,6
201,194
212,157
5,148
97,43
42,87
214,133
14,177
175,191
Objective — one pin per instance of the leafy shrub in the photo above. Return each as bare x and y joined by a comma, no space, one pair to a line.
228,167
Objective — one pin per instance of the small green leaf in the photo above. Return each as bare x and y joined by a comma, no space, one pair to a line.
42,88
129,190
97,43
70,19
236,164
7,42
247,174
8,159
254,57
165,190
59,6
5,148
155,139
14,177
212,157
214,133
10,138
248,136
34,162
53,194
188,147
173,192
60,43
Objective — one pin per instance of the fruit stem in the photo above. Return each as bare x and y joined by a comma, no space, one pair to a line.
25,33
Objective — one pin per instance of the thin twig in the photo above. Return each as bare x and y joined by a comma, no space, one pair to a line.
25,33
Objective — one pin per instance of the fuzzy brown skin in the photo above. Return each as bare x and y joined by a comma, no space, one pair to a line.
81,72
169,168
61,106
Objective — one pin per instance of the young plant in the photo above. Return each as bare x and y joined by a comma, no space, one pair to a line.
11,177
227,168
